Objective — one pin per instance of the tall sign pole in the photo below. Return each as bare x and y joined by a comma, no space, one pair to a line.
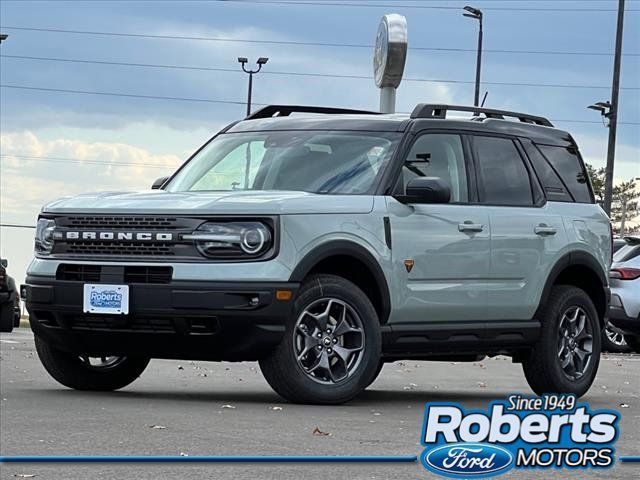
389,58
613,115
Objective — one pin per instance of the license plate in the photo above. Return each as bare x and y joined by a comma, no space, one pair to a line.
113,299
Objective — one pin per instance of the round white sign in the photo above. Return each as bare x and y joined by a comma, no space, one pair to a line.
390,51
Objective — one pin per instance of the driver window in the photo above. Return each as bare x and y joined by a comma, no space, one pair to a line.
442,156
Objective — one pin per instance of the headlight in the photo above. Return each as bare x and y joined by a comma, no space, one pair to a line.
44,236
232,240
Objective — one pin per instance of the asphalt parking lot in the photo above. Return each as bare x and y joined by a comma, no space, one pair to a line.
200,408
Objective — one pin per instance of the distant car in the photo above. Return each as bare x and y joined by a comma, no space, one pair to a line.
9,300
613,339
624,312
618,243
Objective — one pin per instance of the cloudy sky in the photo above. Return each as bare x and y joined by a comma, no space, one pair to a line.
54,143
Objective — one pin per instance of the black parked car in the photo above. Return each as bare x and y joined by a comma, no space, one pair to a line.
9,300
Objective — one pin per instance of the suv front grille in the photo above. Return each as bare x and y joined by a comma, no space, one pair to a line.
118,248
79,273
127,274
147,274
123,223
125,236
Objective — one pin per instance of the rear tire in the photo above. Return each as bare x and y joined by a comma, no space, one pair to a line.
75,372
566,357
331,348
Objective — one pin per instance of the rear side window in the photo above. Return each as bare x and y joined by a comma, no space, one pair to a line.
567,164
555,190
504,179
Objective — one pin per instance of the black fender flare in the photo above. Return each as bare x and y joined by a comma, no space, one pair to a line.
580,258
347,248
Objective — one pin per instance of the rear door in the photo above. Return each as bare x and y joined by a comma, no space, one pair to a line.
526,236
440,251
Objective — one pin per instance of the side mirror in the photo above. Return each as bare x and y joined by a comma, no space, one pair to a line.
427,190
159,182
4,263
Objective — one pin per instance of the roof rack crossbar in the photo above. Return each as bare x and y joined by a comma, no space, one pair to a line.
286,110
427,110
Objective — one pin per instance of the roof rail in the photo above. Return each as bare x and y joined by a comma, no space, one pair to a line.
286,110
426,110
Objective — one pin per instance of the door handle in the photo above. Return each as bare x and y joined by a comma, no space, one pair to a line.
467,226
543,230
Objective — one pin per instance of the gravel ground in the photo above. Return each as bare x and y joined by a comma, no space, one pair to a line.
200,408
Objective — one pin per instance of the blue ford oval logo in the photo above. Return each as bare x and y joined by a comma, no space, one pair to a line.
468,460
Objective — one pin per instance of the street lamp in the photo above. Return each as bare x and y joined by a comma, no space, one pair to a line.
3,37
477,14
608,111
243,61
603,107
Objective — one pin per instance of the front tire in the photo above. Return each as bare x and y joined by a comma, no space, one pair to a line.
377,374
87,373
331,348
566,357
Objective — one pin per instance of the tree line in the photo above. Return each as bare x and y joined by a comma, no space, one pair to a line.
625,205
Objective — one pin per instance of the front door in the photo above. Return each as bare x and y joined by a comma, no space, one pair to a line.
440,252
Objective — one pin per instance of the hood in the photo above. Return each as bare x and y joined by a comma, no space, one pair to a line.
204,203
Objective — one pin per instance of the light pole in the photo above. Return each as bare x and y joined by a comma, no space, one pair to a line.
243,61
610,111
477,14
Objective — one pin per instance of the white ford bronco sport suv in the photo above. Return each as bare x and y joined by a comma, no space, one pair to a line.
324,242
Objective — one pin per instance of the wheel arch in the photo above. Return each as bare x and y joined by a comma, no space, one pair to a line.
582,270
346,259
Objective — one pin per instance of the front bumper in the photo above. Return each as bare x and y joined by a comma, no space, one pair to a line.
182,320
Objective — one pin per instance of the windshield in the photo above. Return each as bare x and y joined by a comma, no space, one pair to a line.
311,161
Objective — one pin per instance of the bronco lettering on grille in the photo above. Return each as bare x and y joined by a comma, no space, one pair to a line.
118,236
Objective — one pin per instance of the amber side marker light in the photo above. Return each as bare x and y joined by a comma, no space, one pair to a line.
284,295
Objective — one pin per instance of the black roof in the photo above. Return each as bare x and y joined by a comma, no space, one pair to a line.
374,123
280,117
